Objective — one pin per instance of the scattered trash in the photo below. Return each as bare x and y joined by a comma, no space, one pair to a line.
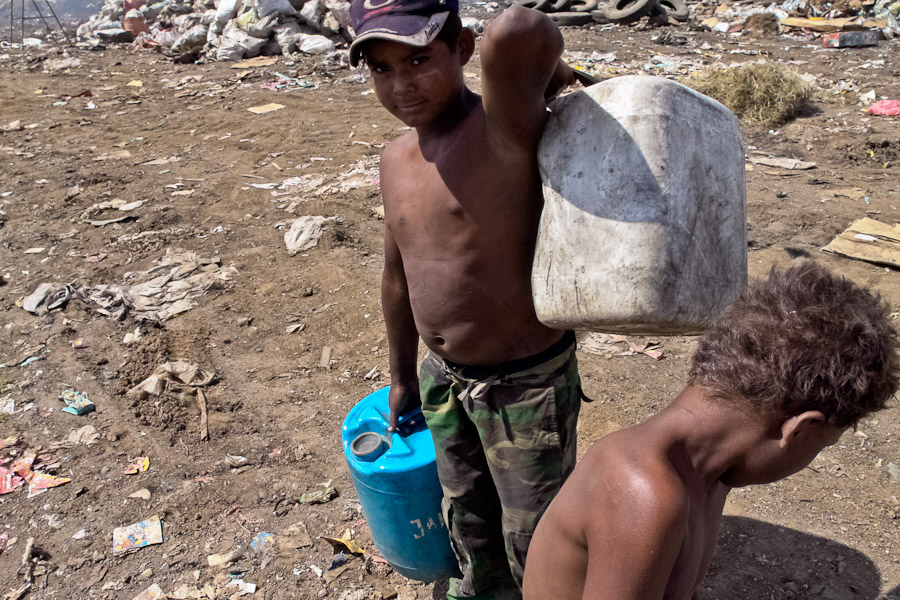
34,300
265,108
218,560
172,376
294,537
343,543
7,406
604,344
262,540
204,416
136,536
139,465
154,592
80,343
851,39
243,588
339,560
327,494
41,482
885,108
259,61
141,494
235,461
304,233
894,470
86,435
80,534
791,164
77,403
870,241
132,337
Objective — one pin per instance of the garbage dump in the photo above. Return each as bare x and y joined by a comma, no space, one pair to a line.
845,25
222,30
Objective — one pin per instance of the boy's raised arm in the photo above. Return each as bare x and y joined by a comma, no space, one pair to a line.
403,339
520,57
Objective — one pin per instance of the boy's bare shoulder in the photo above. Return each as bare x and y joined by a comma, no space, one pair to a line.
631,483
399,149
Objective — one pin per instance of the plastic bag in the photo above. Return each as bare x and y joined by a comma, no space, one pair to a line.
151,11
236,44
314,44
264,8
885,108
84,32
208,18
312,12
341,11
287,35
264,27
193,37
225,12
166,37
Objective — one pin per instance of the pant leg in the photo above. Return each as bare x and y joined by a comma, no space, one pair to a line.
471,506
529,434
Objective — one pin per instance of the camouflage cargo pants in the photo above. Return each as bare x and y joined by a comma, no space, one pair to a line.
505,442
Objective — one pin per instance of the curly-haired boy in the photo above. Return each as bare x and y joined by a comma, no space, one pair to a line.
783,373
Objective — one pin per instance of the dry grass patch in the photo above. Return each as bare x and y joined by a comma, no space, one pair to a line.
765,94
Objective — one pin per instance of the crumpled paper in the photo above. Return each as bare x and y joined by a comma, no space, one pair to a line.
167,289
304,233
172,375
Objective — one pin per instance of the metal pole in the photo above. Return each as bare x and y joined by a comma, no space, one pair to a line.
22,15
12,4
53,12
47,25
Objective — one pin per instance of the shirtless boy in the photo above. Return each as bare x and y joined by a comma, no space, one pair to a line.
462,201
787,368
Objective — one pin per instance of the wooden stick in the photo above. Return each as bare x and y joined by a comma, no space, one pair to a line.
204,423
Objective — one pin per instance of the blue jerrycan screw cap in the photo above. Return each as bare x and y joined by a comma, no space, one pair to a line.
366,445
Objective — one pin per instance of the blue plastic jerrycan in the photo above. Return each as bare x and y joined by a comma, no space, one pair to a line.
398,487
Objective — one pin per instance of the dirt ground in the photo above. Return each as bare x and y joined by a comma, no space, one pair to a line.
831,531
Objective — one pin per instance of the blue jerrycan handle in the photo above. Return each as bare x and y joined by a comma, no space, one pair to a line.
410,422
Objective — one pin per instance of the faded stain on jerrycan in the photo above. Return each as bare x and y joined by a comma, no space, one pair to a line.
644,222
396,479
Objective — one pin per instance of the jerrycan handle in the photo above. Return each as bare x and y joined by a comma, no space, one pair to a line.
410,422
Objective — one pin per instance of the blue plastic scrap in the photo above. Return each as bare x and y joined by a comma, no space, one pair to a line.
77,403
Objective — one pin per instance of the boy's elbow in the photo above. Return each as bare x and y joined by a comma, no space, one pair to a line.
525,31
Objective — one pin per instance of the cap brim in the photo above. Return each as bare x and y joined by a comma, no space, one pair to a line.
412,30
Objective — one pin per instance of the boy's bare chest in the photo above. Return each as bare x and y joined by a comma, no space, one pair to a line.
462,187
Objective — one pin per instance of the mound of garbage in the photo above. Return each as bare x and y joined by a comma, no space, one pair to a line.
224,29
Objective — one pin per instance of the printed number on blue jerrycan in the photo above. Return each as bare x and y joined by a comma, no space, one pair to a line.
398,487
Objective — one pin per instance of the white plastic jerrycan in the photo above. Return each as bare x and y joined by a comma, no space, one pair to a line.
644,226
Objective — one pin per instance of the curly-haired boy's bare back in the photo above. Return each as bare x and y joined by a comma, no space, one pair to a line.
784,372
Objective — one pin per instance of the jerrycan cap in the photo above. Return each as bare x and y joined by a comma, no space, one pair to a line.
367,445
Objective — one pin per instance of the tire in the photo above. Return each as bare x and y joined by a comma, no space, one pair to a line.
628,11
599,16
557,6
571,18
541,5
677,9
583,5
658,15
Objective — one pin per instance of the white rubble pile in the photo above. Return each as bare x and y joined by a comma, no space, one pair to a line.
224,29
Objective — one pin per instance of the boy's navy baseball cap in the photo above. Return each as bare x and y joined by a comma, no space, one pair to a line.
412,22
